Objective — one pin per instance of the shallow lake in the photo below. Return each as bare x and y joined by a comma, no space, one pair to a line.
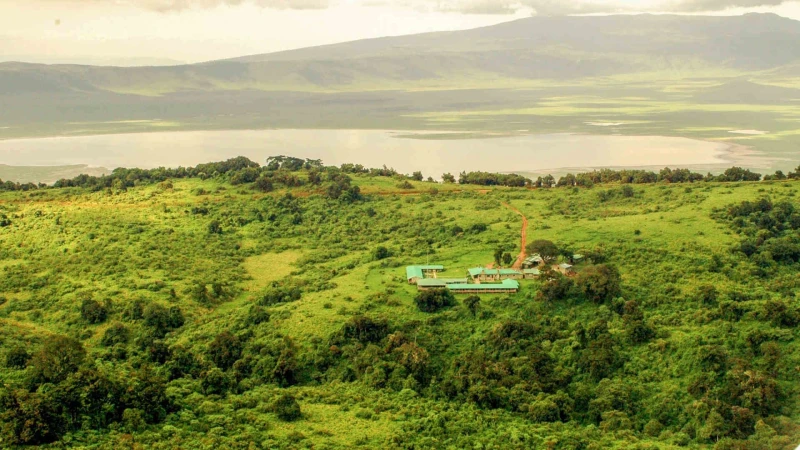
432,154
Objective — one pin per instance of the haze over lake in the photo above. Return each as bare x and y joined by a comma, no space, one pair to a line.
372,148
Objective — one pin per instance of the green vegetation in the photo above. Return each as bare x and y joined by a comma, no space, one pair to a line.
127,320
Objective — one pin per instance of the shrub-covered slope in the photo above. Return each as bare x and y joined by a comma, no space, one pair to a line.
235,306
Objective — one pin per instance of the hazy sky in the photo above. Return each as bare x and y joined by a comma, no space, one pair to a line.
198,30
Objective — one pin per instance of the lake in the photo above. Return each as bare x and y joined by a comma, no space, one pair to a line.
433,154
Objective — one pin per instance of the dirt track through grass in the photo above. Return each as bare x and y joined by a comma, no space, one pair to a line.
523,237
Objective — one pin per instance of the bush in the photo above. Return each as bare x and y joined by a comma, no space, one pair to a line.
405,185
215,382
544,411
17,358
93,312
161,319
59,357
557,287
435,299
599,283
380,253
117,333
366,329
225,350
472,303
287,408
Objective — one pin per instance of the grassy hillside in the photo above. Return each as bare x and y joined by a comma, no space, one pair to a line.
210,309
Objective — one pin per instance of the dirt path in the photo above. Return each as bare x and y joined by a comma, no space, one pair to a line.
524,237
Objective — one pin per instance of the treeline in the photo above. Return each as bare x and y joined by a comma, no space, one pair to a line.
281,170
625,176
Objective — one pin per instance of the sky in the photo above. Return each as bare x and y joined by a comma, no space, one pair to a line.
131,32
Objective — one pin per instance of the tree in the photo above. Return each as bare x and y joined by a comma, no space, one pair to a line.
557,287
93,312
498,256
417,176
472,303
28,418
636,329
225,350
161,319
544,248
215,382
434,299
214,227
448,178
380,253
287,409
366,329
263,184
58,357
507,258
599,283
117,333
17,358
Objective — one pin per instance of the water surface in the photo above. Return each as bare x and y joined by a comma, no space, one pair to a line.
372,148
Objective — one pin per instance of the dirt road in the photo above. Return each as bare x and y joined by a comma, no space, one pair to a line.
523,237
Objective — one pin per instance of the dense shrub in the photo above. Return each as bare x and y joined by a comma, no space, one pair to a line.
435,299
17,358
93,312
117,333
58,358
600,283
225,350
287,408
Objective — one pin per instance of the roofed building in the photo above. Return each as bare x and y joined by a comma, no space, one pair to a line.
533,261
565,269
506,287
482,274
416,273
439,283
530,274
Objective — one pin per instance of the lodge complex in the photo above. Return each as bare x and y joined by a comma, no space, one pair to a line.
483,280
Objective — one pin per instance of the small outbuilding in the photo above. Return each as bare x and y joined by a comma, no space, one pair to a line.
533,261
565,269
530,274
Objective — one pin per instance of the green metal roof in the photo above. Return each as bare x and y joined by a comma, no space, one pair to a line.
419,271
532,272
431,282
506,284
453,280
482,270
413,272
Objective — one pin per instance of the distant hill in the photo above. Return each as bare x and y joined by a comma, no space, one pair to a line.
527,49
746,92
647,73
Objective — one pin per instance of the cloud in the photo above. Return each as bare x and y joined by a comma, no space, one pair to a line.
571,7
718,5
500,7
179,5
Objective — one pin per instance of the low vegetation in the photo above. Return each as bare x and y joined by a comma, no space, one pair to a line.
234,305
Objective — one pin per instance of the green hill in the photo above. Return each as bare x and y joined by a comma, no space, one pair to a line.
268,307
